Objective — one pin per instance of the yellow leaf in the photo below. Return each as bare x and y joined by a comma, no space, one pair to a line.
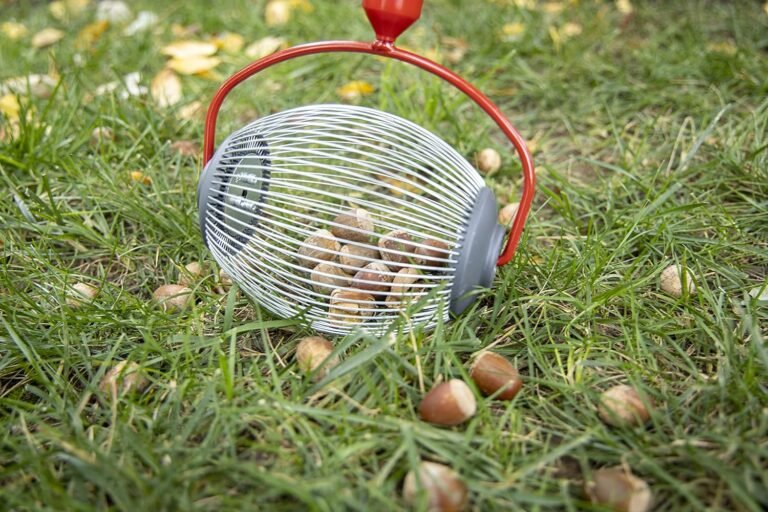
12,30
90,34
191,111
570,30
553,7
166,88
765,7
557,38
354,90
511,31
455,48
624,7
63,9
140,177
724,47
37,85
277,12
193,65
303,5
47,37
9,107
188,49
229,42
264,47
58,10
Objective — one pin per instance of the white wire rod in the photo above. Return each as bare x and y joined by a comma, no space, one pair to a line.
293,242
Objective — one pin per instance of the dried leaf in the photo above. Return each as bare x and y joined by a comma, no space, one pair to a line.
101,134
723,47
189,49
89,35
64,9
229,42
570,30
354,90
144,21
399,188
193,65
186,147
265,46
191,111
39,86
455,49
303,5
166,88
133,87
179,30
765,7
13,31
123,378
553,7
624,7
140,177
47,37
113,11
9,107
277,12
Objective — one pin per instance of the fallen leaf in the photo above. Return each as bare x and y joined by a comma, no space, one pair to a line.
39,86
191,111
399,188
123,378
144,21
101,134
47,37
277,12
229,42
303,5
179,30
133,87
455,49
189,49
553,7
113,11
512,31
570,30
724,47
765,7
166,88
354,90
186,147
64,9
13,31
140,177
9,107
265,46
624,7
90,34
193,65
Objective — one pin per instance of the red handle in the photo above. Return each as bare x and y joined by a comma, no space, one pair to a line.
386,49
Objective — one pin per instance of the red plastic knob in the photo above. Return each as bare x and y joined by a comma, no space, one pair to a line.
390,18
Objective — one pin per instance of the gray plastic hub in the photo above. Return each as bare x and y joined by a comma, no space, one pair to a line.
476,265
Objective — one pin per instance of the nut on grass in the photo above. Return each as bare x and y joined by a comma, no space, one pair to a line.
356,257
488,161
172,297
622,406
619,490
100,135
495,375
443,487
449,403
123,378
356,226
436,249
373,278
321,245
80,294
402,284
672,281
347,306
327,276
191,273
397,241
507,214
312,356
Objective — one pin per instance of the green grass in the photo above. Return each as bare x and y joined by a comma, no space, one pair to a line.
651,145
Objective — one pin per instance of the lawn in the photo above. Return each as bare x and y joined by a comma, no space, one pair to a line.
648,123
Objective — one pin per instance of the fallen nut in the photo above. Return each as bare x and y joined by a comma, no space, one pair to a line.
619,490
672,281
356,226
435,255
449,403
508,213
123,378
321,245
495,375
374,277
444,489
172,297
328,275
401,285
191,273
347,306
622,406
312,352
399,241
357,257
101,134
80,293
488,161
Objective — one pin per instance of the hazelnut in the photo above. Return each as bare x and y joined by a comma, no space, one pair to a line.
444,489
356,226
328,275
448,404
81,293
347,306
321,245
508,213
191,273
172,297
495,375
312,355
374,277
396,241
123,378
622,406
488,161
672,281
436,249
357,257
619,490
225,279
401,285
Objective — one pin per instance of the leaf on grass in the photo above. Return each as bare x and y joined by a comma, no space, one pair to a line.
123,378
191,111
186,147
166,88
144,21
277,12
133,87
179,30
723,47
9,107
765,7
113,11
47,37
13,31
140,177
188,49
193,65
512,31
354,90
455,49
553,7
229,42
570,30
64,9
89,35
624,7
265,46
39,86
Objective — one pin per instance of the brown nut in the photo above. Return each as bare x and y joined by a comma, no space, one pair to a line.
488,161
327,276
320,246
347,306
81,293
396,241
312,356
444,489
172,297
622,406
356,257
437,249
448,404
123,378
191,273
356,226
401,285
495,375
619,490
508,213
672,281
373,278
